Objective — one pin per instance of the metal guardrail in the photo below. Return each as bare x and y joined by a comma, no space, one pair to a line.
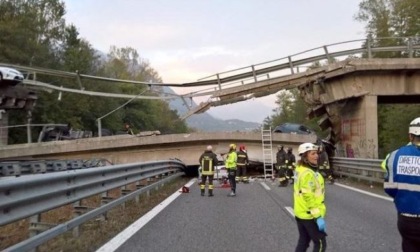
31,195
358,168
26,167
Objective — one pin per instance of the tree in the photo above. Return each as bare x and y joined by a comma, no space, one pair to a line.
292,108
34,33
392,19
30,30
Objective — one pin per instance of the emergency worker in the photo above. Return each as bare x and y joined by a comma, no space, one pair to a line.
242,163
208,160
281,165
230,164
290,164
402,183
324,165
309,195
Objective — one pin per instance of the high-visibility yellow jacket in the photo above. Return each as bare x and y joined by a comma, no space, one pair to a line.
231,159
309,194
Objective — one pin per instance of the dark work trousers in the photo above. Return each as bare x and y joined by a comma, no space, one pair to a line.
308,230
409,228
282,175
203,182
232,181
241,170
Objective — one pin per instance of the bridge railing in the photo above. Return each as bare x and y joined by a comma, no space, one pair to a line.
406,46
31,195
358,168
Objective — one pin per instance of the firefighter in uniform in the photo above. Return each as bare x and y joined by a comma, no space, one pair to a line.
324,165
281,165
402,183
242,164
309,195
290,164
230,164
208,160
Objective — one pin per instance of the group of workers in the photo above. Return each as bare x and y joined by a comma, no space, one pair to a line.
402,183
236,163
286,163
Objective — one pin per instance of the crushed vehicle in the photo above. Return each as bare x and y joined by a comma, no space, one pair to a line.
10,75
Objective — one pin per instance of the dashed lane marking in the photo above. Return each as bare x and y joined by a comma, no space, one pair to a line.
265,186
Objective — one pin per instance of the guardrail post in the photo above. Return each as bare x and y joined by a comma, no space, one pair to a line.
291,64
105,199
33,232
36,227
218,82
148,191
76,213
124,191
253,73
369,48
78,210
138,186
410,47
330,60
28,129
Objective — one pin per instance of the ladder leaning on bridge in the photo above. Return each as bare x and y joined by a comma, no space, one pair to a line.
267,146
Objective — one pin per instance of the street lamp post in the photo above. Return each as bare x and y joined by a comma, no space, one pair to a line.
100,118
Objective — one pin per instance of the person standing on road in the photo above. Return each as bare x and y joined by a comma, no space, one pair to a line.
290,163
208,160
281,165
242,163
230,164
324,165
308,197
402,183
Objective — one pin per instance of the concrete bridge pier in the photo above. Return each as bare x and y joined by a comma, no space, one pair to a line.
359,128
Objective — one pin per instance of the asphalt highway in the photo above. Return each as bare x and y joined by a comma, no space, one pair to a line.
260,218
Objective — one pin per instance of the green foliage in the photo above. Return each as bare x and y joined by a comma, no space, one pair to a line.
393,125
392,19
292,108
34,33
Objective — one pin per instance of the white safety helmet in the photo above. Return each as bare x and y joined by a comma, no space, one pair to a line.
305,147
414,127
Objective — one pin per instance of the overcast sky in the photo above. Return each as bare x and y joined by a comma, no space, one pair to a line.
185,40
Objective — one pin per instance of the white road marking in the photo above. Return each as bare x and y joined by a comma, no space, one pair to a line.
290,210
126,234
365,192
265,186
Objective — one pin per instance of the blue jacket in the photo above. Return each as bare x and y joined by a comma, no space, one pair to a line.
402,181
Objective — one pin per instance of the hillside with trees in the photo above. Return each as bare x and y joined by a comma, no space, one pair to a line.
35,33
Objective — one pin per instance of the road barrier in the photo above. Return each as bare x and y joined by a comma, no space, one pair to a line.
30,195
361,169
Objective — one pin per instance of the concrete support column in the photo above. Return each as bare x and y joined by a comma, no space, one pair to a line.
359,128
4,132
371,115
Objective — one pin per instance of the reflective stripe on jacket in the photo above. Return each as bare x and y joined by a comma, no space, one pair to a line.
231,159
402,181
309,194
208,160
242,158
